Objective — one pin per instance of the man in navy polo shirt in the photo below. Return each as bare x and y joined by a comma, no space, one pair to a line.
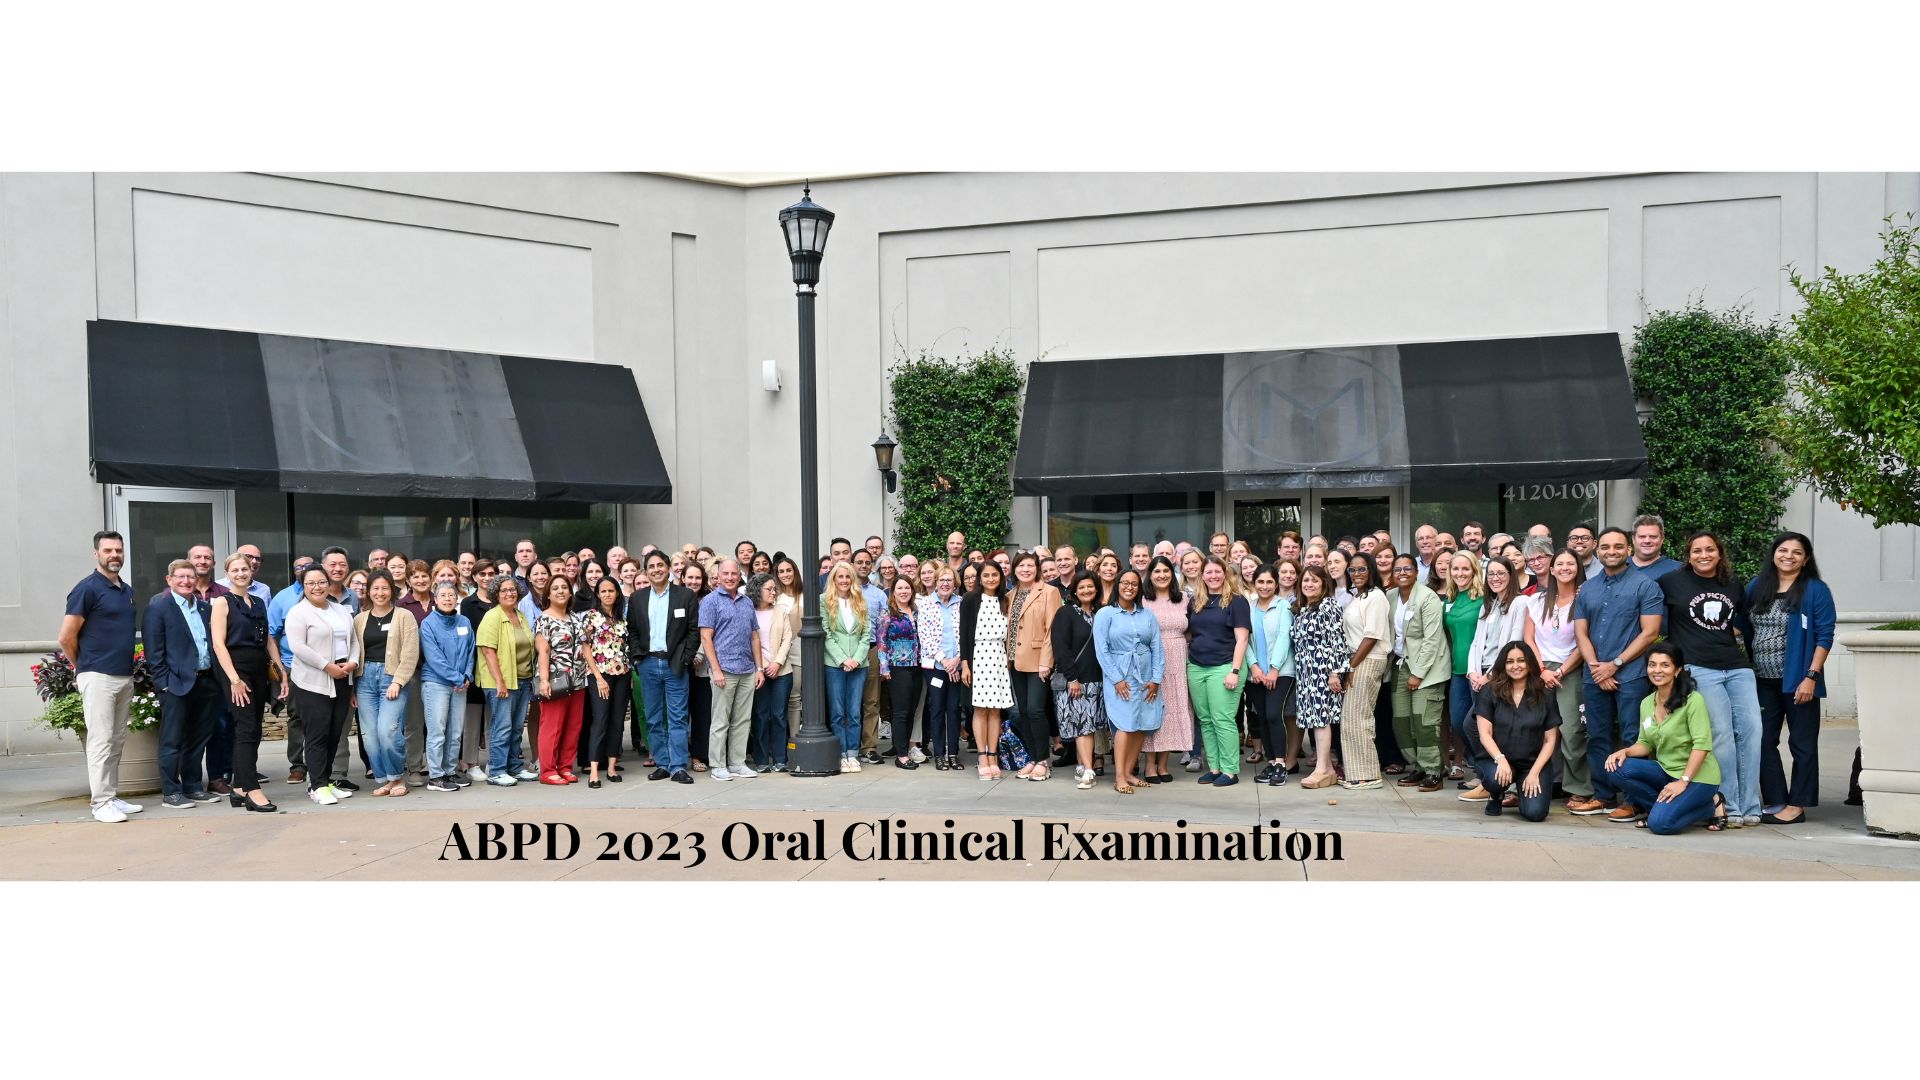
97,637
1616,617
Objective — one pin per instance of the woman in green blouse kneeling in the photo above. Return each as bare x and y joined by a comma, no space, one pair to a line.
1668,780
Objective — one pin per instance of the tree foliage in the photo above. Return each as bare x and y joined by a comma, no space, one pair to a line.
1851,427
1714,378
958,421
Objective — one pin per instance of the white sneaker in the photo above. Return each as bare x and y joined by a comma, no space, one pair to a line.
338,793
323,795
719,772
886,729
503,780
918,755
126,807
108,812
477,774
745,772
853,764
526,774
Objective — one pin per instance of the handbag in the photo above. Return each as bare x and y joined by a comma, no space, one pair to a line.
1058,681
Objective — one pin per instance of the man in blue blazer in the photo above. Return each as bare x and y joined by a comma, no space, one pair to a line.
176,631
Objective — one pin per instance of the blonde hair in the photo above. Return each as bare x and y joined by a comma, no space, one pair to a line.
1228,589
852,594
1474,590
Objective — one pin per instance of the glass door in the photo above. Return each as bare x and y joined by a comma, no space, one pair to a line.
1352,512
161,524
1260,521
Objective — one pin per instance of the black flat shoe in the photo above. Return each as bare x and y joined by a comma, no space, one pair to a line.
616,777
904,763
1774,819
593,784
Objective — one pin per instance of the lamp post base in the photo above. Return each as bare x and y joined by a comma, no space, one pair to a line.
814,755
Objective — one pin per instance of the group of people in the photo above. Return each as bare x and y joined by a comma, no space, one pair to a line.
1601,671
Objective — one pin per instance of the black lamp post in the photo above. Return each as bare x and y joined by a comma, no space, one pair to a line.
883,457
816,750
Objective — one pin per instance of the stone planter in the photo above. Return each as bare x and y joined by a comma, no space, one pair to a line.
140,763
1886,671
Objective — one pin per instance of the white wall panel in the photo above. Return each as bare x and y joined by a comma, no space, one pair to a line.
1725,252
212,262
957,302
1417,281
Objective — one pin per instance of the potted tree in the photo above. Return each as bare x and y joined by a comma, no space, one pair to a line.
1850,429
54,681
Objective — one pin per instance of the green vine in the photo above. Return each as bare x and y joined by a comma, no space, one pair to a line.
958,423
1714,379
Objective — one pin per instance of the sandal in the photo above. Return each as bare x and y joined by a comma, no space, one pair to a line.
1123,789
1040,772
699,766
1641,824
1718,822
1395,770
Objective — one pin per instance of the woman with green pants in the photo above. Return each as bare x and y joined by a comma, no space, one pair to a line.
1218,627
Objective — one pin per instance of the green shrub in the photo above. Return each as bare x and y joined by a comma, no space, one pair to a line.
1851,428
1715,378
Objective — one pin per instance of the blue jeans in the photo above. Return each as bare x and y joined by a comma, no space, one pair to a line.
1532,807
446,713
770,719
503,731
1613,722
843,705
1640,780
665,695
1460,714
1733,710
382,723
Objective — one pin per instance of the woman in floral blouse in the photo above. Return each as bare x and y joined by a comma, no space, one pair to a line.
563,664
1320,665
610,690
900,666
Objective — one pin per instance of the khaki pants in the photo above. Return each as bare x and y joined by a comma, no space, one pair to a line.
872,701
107,702
732,719
1358,758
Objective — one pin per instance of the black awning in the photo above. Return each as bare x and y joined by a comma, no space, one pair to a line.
1508,410
351,418
1135,425
1521,409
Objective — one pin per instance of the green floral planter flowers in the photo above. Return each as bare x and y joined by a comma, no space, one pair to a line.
57,684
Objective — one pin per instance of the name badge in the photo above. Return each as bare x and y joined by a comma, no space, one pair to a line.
679,613
936,683
460,630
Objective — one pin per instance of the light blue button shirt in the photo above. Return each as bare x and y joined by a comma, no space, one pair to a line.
657,619
191,610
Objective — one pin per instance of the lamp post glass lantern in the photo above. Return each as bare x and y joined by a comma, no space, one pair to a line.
816,750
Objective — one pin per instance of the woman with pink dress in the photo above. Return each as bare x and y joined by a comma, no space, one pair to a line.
1168,602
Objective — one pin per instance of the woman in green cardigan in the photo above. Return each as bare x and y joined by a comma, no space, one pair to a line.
843,611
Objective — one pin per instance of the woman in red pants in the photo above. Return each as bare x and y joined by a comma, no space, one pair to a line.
559,638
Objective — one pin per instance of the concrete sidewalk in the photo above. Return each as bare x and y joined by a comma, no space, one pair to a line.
1393,833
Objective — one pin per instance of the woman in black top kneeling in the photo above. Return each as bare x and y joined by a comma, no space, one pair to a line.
1520,730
